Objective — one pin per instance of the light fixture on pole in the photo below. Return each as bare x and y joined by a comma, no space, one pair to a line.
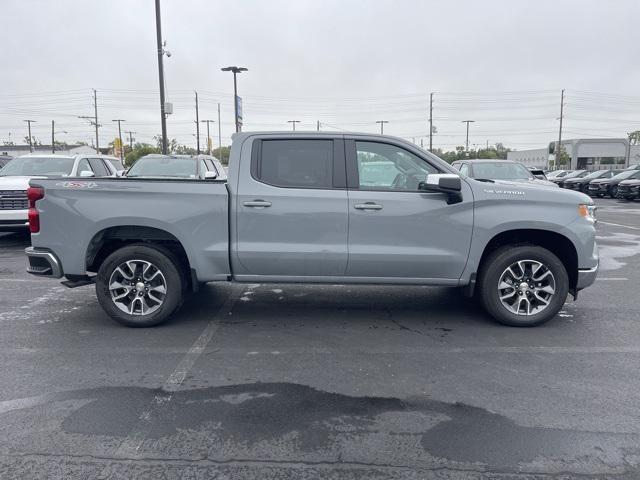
382,122
237,102
293,123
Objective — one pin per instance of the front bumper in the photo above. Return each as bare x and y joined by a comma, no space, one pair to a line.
43,263
12,220
586,277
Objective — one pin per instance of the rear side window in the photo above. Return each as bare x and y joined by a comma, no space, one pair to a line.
296,163
464,169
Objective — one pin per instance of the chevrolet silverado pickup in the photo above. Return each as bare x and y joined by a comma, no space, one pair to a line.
315,208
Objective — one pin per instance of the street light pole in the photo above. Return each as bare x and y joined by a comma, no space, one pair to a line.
382,122
219,132
197,126
293,123
119,120
431,122
130,139
95,111
53,136
467,141
29,122
208,136
163,118
235,71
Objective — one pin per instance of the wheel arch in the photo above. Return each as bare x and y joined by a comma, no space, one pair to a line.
110,239
558,244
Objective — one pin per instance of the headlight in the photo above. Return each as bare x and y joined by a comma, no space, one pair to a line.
587,211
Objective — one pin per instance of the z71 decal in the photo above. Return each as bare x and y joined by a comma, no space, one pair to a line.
76,185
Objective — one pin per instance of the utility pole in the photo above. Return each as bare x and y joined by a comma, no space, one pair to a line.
119,120
219,132
382,122
559,149
235,71
29,122
318,125
53,136
95,114
208,137
293,123
197,126
161,52
431,122
130,139
467,142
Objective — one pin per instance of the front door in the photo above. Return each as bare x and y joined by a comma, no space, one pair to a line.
291,209
395,230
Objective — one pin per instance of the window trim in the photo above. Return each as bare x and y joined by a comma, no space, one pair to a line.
353,176
339,173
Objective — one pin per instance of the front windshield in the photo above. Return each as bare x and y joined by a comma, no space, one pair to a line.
596,174
557,174
164,167
626,174
576,174
501,171
38,166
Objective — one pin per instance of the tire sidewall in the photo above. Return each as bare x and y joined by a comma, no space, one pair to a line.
161,259
498,262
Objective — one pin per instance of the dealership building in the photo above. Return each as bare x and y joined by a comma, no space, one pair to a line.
585,153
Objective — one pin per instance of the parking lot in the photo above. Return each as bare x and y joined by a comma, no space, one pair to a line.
287,381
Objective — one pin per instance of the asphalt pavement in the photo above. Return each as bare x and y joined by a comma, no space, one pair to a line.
356,382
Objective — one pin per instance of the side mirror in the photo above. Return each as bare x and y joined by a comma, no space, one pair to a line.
87,173
120,173
209,175
448,183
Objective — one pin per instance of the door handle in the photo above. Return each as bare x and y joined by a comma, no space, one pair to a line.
257,203
367,206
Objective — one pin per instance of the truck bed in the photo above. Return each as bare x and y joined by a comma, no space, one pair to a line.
76,212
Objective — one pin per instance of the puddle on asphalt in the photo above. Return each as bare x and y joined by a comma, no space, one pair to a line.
315,421
615,248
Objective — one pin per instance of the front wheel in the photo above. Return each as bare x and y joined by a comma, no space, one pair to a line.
523,286
614,191
139,285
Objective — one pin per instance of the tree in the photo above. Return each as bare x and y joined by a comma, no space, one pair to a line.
634,137
222,154
563,157
139,150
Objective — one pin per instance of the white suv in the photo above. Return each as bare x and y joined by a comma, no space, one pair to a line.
15,176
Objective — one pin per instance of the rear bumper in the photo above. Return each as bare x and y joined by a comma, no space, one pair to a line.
586,277
43,263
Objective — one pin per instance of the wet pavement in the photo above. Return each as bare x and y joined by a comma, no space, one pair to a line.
282,381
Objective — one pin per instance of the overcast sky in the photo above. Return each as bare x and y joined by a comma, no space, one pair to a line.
344,63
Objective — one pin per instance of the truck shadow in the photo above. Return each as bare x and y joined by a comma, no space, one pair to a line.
14,240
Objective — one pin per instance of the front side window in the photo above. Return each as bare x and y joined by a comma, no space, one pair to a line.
99,168
296,163
383,166
464,169
83,166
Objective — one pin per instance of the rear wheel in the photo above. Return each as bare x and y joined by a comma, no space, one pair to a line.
523,286
614,191
140,285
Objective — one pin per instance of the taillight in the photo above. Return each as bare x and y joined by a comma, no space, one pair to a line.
33,195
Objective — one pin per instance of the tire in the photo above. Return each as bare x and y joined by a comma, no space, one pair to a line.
614,191
494,273
125,303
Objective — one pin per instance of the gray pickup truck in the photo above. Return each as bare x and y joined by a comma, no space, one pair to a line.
315,208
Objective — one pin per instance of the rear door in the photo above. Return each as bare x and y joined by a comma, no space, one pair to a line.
291,208
395,230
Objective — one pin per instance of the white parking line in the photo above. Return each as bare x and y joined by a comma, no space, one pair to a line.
611,279
618,225
132,443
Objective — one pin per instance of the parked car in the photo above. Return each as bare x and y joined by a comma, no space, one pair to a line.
15,176
609,186
582,183
538,173
575,174
197,167
301,208
498,170
557,174
629,189
4,159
